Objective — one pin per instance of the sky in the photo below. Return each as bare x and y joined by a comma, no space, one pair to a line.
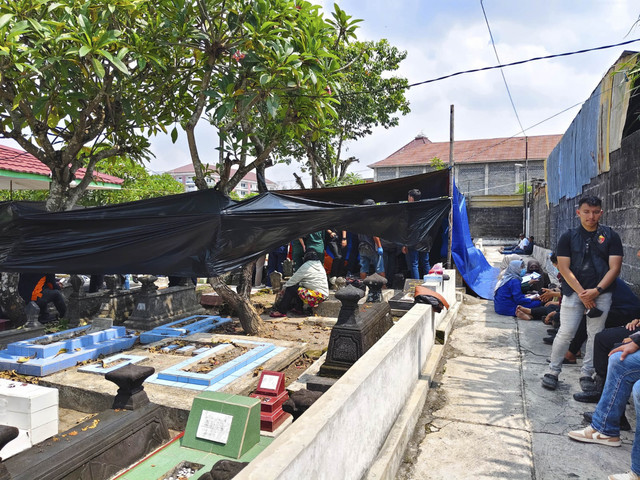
444,37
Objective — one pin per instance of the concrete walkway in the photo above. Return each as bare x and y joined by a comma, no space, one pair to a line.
487,416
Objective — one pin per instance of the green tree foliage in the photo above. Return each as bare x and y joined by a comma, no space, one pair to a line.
370,97
138,184
78,82
437,164
260,72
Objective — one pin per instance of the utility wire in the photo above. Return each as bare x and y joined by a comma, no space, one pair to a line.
482,69
495,50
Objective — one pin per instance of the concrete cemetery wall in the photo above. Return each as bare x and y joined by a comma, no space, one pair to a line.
342,433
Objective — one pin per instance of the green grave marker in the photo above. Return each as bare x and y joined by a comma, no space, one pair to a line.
223,424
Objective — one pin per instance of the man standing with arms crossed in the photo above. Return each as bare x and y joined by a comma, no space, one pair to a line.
589,259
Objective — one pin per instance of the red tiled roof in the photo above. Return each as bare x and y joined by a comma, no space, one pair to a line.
188,170
20,161
421,151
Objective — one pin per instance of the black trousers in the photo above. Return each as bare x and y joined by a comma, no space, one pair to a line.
604,342
290,300
51,296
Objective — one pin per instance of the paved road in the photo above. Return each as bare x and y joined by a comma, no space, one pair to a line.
488,417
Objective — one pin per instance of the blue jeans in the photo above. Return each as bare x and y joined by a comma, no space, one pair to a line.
367,262
622,378
571,312
417,261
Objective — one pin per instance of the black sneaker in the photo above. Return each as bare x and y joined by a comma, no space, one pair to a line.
552,331
549,340
592,396
625,426
549,381
587,384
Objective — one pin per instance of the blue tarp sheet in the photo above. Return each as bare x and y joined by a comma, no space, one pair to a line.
474,268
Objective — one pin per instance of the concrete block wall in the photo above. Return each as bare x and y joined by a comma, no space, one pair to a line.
503,222
342,433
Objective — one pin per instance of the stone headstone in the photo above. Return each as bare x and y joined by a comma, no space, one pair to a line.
375,283
226,469
287,268
32,310
112,282
100,323
77,283
223,424
276,281
131,394
357,329
148,283
300,401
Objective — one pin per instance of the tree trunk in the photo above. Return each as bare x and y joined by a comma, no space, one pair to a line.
249,319
10,301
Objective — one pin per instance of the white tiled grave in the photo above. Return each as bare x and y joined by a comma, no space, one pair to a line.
31,408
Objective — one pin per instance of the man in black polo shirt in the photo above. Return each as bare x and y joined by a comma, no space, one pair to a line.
589,259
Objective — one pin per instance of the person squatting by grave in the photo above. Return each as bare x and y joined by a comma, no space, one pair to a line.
589,259
308,284
42,289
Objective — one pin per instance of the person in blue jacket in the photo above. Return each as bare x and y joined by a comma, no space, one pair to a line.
508,292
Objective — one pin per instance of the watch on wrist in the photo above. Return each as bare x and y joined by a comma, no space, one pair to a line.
599,289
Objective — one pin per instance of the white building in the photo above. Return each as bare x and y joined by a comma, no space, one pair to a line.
249,184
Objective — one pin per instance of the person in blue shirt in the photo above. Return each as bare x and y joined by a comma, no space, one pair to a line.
508,292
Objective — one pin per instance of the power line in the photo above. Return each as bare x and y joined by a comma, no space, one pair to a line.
482,69
495,50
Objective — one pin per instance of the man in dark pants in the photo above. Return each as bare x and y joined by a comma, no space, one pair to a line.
42,289
589,259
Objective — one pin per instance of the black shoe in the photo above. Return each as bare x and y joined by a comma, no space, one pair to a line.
550,382
592,396
587,384
549,340
552,331
625,426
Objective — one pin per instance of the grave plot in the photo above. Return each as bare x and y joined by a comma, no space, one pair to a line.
48,354
220,427
212,366
182,328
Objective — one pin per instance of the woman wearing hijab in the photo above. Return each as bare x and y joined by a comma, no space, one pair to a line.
508,292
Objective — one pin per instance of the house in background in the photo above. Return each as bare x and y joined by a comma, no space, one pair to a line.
20,170
491,166
249,184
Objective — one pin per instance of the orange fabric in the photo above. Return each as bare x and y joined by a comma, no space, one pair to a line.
420,290
37,291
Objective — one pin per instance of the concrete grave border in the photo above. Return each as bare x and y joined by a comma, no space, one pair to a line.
359,428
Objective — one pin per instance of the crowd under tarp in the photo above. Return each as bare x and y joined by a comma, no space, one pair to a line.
205,233
193,234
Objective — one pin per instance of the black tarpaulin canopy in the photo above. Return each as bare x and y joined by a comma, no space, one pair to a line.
193,234
431,185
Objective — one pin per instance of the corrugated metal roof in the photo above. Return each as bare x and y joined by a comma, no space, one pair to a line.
583,152
420,151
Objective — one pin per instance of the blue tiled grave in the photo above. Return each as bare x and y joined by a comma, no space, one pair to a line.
48,354
179,375
111,363
182,328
